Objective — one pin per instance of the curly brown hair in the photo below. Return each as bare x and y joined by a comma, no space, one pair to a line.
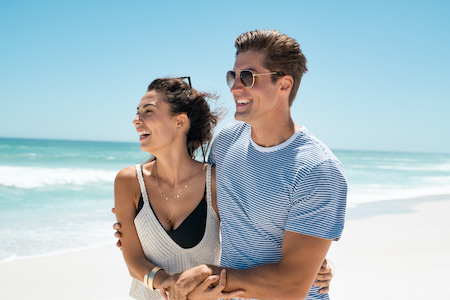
282,53
184,99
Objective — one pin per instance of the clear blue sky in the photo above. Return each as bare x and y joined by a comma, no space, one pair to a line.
378,71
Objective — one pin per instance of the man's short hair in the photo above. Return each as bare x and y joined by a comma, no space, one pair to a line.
281,53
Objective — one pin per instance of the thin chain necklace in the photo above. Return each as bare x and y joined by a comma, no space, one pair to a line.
165,197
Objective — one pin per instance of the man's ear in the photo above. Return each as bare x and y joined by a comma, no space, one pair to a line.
287,82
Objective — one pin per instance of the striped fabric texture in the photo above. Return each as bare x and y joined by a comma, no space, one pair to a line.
298,186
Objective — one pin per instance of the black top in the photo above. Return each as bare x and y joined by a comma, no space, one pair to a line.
191,230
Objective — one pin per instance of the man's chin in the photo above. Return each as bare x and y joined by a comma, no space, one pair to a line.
243,117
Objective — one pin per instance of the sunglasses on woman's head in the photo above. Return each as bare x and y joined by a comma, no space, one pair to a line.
247,77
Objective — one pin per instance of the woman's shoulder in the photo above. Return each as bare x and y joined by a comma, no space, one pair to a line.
126,175
126,182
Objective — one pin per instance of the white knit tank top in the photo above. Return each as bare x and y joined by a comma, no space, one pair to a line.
161,250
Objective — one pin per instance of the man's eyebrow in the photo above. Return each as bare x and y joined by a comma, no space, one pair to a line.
251,69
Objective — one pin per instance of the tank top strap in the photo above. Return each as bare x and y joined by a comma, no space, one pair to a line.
141,182
208,185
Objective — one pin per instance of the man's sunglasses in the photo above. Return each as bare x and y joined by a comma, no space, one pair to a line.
247,77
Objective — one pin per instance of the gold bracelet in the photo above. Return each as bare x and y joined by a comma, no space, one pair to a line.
151,276
146,279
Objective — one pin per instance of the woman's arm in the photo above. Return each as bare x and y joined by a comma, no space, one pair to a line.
214,190
126,196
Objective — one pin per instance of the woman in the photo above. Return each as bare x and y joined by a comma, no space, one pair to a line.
167,206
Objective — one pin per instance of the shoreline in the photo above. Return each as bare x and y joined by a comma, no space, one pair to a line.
54,253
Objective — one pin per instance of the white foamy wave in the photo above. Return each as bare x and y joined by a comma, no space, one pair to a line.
440,168
373,193
391,159
34,177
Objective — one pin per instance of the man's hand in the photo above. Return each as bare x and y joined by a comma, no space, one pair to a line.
181,284
117,234
324,276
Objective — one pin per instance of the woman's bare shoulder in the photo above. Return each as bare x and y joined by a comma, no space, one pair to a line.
126,175
126,187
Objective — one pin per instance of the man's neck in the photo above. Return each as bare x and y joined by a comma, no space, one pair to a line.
271,134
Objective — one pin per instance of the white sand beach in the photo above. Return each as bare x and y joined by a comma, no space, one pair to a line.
389,250
401,253
98,273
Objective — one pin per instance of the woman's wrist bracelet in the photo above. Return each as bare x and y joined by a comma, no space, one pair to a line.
146,279
151,276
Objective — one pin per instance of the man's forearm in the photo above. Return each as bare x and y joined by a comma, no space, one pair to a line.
270,281
290,278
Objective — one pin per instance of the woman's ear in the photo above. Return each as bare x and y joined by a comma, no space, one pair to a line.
182,122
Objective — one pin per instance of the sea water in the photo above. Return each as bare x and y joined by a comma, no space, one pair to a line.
57,196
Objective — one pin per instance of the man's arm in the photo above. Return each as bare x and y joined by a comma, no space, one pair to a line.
290,278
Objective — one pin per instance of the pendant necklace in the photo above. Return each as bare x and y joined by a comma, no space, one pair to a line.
165,197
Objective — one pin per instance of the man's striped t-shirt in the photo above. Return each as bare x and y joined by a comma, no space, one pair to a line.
298,185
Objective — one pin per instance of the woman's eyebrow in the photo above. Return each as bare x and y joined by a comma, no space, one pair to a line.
145,105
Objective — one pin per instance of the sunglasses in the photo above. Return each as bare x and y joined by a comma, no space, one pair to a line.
188,78
247,77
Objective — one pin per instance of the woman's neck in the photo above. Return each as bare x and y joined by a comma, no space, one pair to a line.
173,169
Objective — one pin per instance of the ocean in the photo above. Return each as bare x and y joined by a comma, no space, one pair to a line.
56,196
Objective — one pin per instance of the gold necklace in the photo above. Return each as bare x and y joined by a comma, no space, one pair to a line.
165,197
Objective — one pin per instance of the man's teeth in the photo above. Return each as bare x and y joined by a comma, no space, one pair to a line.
243,101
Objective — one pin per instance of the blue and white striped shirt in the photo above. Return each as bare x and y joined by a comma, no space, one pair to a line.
298,186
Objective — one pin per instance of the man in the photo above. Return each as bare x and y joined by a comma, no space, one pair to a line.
281,193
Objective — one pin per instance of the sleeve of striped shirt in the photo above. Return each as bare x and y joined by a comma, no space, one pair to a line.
319,201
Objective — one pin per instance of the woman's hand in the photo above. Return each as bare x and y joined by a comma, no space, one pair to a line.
324,276
117,234
181,284
207,291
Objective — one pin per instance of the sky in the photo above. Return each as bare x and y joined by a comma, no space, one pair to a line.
378,74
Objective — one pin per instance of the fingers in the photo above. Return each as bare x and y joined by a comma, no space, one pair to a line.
162,291
206,285
119,244
324,277
118,235
221,286
324,290
113,210
223,280
232,295
332,268
325,283
324,264
117,226
164,287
